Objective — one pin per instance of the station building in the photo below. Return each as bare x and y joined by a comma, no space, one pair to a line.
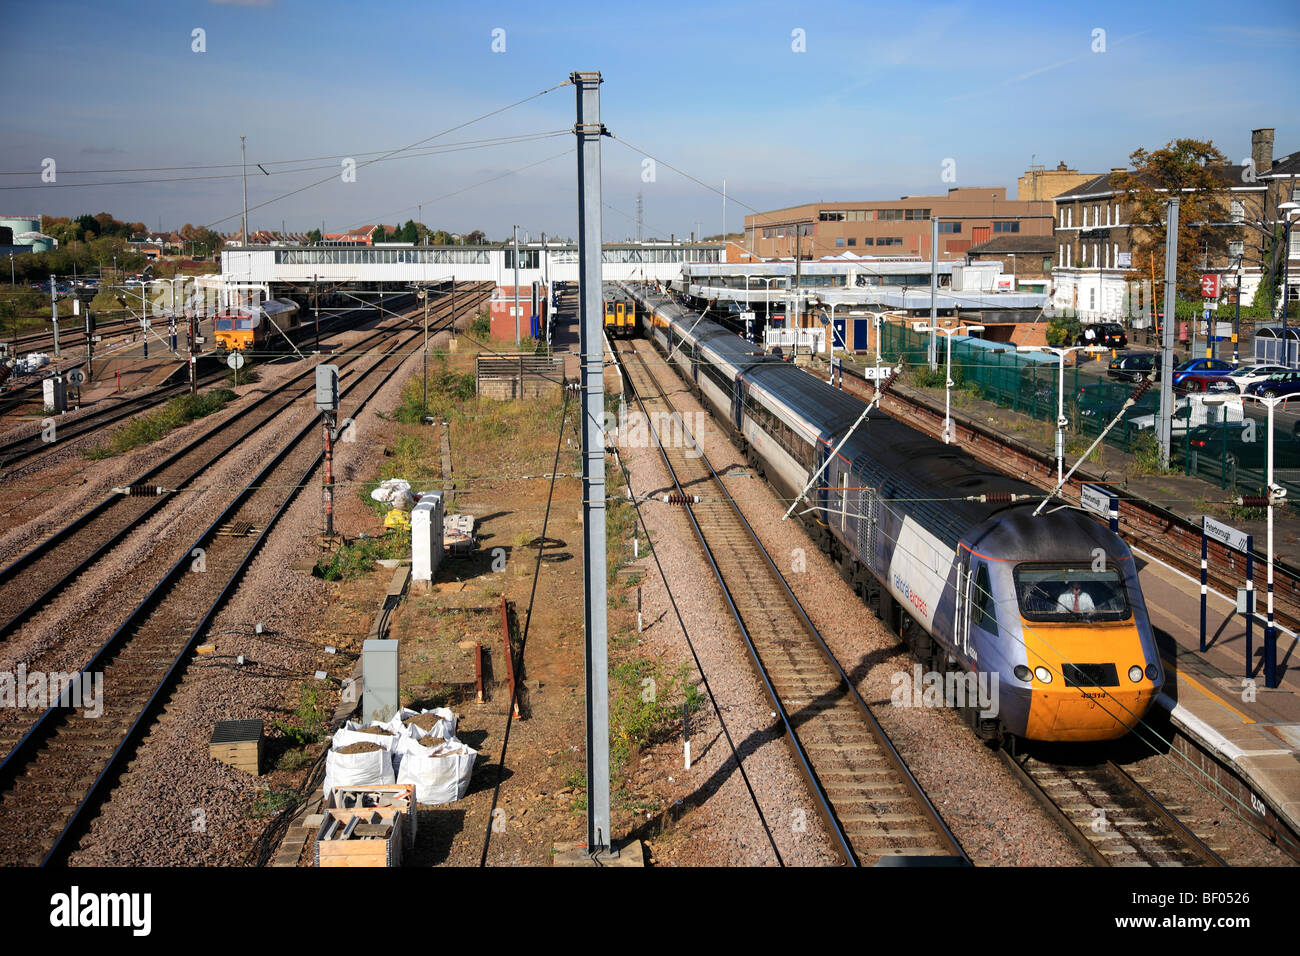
968,216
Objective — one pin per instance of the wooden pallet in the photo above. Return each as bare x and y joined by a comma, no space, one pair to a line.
373,836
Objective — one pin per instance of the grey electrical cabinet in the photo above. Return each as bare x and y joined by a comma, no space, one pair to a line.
379,666
327,388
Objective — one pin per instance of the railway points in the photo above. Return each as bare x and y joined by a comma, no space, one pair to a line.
147,652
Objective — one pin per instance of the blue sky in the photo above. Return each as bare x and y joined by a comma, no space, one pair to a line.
881,97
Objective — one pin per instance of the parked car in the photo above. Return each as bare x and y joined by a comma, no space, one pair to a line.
1275,386
1195,375
1133,366
1189,412
1246,443
1245,376
1108,334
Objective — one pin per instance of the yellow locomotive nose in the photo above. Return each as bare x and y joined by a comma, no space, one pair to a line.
1089,692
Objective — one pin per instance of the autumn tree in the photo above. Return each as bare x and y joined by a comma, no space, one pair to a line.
1199,175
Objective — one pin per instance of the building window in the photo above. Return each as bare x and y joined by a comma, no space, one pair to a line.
1047,264
1006,226
1092,300
916,214
1236,249
1237,210
868,241
889,240
831,215
950,227
853,242
839,240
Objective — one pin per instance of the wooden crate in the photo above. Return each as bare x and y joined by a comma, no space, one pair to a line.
238,743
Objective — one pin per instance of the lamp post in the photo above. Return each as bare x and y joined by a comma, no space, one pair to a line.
1274,493
1060,353
948,383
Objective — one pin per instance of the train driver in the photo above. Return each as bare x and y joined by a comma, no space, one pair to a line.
1075,599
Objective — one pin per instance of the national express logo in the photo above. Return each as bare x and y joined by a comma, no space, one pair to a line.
910,596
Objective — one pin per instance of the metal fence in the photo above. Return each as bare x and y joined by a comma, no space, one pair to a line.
1027,382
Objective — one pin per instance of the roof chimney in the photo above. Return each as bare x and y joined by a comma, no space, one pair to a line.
1061,168
1261,150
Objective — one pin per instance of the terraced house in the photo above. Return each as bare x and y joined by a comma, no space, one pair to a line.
1093,270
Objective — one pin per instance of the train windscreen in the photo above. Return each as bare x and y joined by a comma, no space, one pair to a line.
1063,594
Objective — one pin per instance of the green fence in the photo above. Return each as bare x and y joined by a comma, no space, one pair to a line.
1026,382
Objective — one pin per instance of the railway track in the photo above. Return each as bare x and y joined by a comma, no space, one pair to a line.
868,798
63,766
1111,817
19,451
36,577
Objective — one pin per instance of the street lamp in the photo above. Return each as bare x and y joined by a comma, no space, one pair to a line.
948,383
1275,493
1060,353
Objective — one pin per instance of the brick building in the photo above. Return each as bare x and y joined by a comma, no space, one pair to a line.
1092,266
968,215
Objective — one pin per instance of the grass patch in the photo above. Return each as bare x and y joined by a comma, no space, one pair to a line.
1146,455
309,720
646,705
271,801
155,425
358,557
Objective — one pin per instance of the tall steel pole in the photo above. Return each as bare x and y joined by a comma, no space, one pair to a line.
934,292
54,313
516,286
1163,423
243,163
591,348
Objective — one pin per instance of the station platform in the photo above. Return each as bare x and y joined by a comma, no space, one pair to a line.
1215,698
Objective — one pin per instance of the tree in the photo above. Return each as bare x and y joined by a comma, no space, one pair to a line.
380,234
1198,174
315,236
442,238
409,233
476,238
1063,329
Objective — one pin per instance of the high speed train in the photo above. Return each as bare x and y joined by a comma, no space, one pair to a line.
942,547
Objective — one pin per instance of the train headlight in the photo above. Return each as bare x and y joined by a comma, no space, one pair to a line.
1022,673
1153,672
1135,673
1043,674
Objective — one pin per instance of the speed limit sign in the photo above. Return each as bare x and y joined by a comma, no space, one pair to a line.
76,377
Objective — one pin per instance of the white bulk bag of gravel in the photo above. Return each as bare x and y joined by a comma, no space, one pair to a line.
358,770
354,735
440,774
444,726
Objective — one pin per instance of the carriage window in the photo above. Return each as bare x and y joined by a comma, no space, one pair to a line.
1064,594
982,600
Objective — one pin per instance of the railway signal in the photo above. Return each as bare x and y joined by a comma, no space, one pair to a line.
327,401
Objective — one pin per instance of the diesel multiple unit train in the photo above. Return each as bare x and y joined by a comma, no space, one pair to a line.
944,548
